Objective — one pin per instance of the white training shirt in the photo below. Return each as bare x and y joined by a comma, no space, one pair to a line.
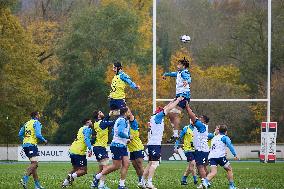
179,84
116,139
155,134
218,147
200,140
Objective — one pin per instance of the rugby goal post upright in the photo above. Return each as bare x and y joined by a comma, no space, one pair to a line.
154,55
268,129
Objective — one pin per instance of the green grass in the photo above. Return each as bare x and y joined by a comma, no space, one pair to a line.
247,175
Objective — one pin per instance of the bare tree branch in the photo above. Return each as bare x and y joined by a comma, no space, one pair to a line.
46,57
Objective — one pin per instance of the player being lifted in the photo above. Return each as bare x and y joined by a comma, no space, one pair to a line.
200,142
29,135
186,135
101,129
78,152
118,147
155,136
217,156
117,93
183,80
136,149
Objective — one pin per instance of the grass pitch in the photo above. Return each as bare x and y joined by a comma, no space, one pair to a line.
248,175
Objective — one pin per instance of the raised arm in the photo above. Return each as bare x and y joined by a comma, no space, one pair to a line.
124,77
134,125
191,115
171,105
181,135
201,127
106,123
170,74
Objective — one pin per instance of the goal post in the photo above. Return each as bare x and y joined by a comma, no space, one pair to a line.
265,135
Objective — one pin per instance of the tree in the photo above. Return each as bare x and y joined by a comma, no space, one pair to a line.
95,37
22,78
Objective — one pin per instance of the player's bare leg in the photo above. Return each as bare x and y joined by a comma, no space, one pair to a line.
230,176
32,170
213,172
175,122
74,173
153,166
124,168
145,175
116,164
123,171
113,167
102,164
191,168
138,166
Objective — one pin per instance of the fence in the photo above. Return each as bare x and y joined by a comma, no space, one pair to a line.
60,152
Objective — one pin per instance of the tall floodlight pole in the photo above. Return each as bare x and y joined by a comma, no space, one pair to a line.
268,76
154,54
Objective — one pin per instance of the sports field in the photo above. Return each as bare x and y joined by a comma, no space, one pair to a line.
251,175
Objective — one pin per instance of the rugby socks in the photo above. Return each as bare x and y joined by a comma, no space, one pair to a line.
98,176
74,175
205,182
175,133
26,178
37,184
143,180
150,181
102,183
121,182
139,178
184,178
194,179
231,183
65,182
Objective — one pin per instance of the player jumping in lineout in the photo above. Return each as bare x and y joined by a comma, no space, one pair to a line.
183,80
118,84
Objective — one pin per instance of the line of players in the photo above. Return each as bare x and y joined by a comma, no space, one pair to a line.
125,133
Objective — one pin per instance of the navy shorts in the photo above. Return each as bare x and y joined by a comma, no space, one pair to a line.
218,161
201,158
118,152
154,152
189,156
78,160
31,151
136,154
116,104
182,104
100,153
